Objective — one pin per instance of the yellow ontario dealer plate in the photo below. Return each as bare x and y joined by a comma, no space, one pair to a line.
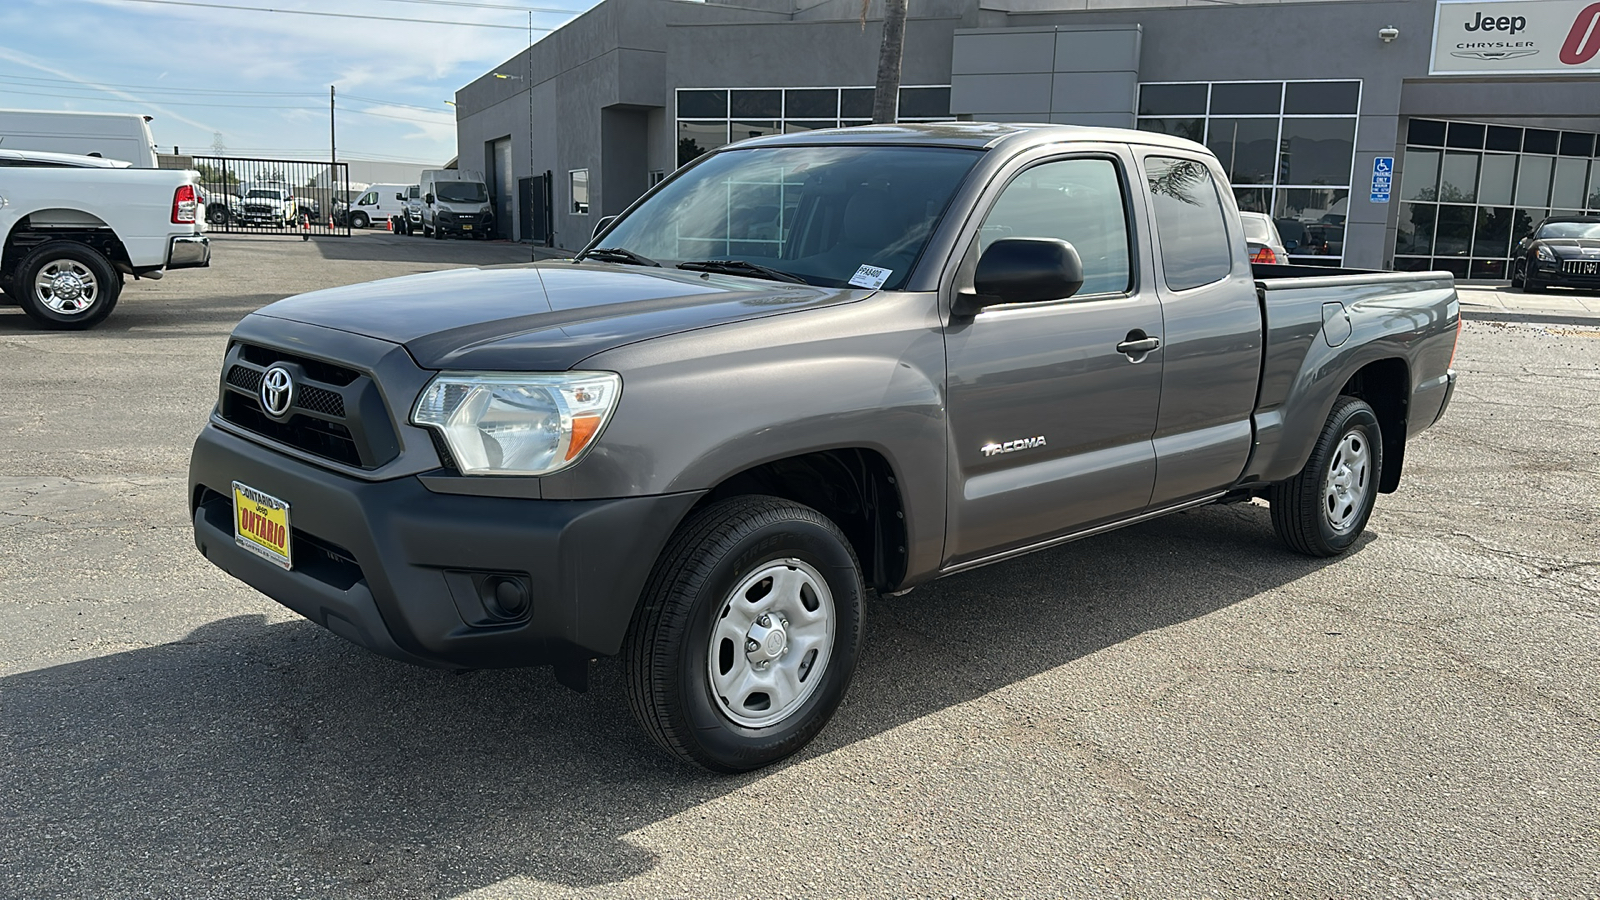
261,524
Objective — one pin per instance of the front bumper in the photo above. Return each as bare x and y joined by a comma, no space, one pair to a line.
189,252
411,574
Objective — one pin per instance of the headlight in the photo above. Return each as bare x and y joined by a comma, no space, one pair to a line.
508,424
1544,253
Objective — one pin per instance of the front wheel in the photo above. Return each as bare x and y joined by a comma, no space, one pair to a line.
1322,510
359,220
66,285
747,634
1517,270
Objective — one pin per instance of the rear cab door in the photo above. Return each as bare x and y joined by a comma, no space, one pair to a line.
1212,326
1050,421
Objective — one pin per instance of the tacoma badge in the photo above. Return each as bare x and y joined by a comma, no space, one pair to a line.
995,449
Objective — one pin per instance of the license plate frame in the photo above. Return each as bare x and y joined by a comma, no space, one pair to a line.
261,525
466,228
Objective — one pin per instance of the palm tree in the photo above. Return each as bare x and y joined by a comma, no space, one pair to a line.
886,99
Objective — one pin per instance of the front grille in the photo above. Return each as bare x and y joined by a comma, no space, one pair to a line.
336,413
1581,267
329,440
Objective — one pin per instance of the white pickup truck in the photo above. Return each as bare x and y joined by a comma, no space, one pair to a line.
73,226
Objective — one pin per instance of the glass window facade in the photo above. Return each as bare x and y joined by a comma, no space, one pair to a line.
1469,192
708,118
1288,148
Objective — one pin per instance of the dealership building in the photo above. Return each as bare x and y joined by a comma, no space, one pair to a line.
1415,134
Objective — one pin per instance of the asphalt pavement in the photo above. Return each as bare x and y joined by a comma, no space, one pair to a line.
1177,709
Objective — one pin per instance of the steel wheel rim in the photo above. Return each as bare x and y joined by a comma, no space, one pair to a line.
771,643
66,287
1348,481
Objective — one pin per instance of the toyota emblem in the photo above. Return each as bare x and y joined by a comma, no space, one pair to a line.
277,391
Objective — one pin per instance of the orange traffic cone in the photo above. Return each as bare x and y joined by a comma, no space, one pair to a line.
390,223
305,228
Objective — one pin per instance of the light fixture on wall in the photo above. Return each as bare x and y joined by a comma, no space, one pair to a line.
1388,33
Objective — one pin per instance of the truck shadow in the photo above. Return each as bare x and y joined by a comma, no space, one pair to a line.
250,757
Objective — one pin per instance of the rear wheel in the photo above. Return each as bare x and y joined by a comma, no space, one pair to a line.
747,634
1322,510
66,285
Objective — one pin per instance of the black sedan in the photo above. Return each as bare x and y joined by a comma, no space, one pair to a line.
1563,251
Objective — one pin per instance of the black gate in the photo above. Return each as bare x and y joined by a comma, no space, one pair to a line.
275,196
534,202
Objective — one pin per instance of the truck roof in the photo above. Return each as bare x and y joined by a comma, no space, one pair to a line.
976,135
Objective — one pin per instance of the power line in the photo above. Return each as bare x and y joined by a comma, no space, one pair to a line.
392,103
239,106
157,88
81,87
332,15
499,6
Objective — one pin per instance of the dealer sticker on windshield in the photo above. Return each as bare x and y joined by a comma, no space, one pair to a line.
870,277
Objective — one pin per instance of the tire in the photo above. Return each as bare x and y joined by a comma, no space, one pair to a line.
438,233
360,220
1312,512
1518,278
1532,285
217,214
705,629
66,285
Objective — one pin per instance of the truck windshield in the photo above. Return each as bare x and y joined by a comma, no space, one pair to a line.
830,215
461,191
271,195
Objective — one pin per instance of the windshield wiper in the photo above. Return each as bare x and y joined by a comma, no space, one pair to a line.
618,254
741,267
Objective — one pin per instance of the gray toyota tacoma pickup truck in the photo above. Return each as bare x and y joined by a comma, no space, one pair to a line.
805,367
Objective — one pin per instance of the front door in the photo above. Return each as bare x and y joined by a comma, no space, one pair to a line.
1051,421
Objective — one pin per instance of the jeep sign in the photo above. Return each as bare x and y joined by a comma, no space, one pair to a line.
1516,37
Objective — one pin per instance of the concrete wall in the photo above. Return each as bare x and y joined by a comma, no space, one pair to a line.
605,82
1064,74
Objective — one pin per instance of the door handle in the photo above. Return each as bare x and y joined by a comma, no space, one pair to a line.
1138,344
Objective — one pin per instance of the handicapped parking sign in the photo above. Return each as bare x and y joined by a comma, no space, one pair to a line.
1382,178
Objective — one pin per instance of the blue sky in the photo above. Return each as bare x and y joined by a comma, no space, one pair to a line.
261,79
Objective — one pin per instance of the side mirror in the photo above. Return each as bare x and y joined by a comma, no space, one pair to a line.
428,199
400,197
605,221
1023,270
1290,245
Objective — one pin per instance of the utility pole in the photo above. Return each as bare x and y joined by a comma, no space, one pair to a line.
333,165
533,253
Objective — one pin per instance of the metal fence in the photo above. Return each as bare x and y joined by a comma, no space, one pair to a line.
275,196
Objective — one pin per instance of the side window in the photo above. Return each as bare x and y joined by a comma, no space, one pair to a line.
367,199
1079,201
1191,229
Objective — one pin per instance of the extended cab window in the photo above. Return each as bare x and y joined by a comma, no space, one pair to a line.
1190,227
1079,201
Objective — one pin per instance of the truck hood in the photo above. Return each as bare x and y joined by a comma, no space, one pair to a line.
545,317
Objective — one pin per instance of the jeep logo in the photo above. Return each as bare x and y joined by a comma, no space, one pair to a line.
1508,24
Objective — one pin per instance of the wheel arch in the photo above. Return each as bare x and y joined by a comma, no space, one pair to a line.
855,487
79,226
1385,385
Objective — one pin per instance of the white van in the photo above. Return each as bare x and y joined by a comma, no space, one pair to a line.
377,203
124,136
455,202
